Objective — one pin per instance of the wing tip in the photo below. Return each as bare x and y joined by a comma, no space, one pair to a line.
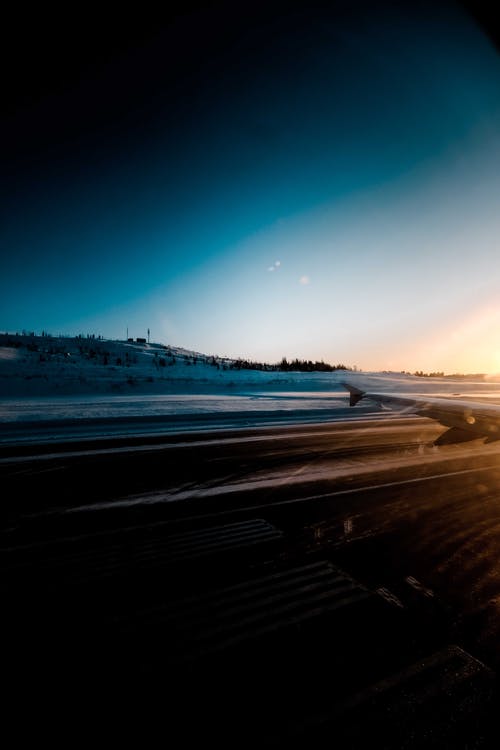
355,394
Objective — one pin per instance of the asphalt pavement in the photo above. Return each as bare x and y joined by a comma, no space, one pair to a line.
346,564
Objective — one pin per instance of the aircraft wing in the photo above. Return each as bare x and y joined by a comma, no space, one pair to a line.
466,420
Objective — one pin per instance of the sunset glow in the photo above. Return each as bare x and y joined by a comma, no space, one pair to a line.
328,190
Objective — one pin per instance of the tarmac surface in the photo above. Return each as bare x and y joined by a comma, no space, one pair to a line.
271,586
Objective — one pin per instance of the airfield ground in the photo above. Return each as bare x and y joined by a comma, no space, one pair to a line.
272,586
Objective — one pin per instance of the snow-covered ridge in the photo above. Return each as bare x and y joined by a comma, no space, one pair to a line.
33,365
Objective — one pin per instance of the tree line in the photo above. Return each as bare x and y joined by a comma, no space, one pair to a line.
295,365
421,374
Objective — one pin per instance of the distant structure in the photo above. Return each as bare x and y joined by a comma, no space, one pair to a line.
148,335
141,341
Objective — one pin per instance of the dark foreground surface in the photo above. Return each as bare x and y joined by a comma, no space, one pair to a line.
333,585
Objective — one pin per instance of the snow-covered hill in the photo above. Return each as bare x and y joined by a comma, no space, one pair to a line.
32,366
47,366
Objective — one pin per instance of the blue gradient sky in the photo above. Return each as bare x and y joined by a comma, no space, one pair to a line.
322,183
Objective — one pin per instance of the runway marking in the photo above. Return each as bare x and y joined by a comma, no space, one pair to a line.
345,472
384,485
158,498
411,581
390,597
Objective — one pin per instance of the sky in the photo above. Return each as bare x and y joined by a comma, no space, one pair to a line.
311,180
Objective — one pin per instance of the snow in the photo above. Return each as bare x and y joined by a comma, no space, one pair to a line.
98,407
7,353
44,366
55,378
45,378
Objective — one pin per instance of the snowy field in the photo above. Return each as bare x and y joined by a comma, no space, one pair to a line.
45,379
97,407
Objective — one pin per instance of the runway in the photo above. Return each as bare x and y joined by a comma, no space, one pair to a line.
375,498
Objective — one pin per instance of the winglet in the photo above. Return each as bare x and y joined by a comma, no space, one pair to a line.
355,394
